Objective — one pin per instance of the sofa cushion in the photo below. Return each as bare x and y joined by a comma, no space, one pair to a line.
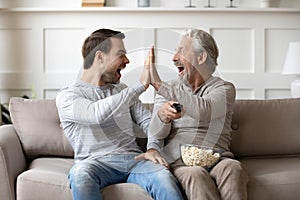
47,178
38,127
273,178
266,127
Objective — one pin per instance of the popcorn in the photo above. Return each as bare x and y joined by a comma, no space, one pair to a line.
194,156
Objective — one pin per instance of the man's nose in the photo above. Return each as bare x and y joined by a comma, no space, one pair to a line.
126,60
175,57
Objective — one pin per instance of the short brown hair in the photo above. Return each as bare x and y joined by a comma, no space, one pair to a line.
99,40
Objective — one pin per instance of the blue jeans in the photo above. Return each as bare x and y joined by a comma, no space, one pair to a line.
87,177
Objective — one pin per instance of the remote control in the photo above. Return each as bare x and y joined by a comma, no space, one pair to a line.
177,106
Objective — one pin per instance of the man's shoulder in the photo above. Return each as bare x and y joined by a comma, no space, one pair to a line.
226,86
67,92
220,81
66,89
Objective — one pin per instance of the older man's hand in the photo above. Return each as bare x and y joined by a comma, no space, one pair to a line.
154,156
167,112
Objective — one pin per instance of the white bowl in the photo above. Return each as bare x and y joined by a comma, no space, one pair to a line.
193,155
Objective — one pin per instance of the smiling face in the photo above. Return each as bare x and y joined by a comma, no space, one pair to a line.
185,60
113,62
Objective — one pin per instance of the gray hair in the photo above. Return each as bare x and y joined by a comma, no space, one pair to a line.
204,42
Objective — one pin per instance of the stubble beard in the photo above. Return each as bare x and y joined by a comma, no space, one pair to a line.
109,77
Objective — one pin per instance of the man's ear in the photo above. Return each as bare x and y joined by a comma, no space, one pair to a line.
202,57
99,56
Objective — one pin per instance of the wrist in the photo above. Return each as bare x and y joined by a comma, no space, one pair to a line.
163,118
156,85
151,150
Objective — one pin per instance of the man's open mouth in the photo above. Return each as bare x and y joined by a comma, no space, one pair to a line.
180,69
119,71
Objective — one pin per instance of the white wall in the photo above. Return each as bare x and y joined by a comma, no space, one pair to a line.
40,48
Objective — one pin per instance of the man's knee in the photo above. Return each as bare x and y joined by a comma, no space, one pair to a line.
197,183
191,173
229,168
80,175
230,165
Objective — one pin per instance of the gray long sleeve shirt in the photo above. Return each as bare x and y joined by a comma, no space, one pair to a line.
101,121
206,120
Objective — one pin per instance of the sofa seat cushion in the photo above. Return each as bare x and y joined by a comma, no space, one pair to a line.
273,178
47,178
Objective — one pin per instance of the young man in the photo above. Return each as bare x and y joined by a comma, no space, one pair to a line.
98,113
205,120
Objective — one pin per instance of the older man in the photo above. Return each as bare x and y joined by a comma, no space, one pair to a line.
205,120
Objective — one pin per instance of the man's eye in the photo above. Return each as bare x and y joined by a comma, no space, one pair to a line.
121,55
179,50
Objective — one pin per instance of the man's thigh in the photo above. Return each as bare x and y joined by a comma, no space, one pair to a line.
96,171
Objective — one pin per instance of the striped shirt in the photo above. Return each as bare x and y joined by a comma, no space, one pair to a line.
102,121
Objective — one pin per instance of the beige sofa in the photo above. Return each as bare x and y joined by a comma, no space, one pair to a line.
35,156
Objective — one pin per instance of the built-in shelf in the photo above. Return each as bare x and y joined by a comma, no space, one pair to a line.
148,9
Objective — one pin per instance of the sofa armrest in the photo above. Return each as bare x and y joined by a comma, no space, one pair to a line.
12,161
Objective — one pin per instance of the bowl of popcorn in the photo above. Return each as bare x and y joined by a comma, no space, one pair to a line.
193,155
